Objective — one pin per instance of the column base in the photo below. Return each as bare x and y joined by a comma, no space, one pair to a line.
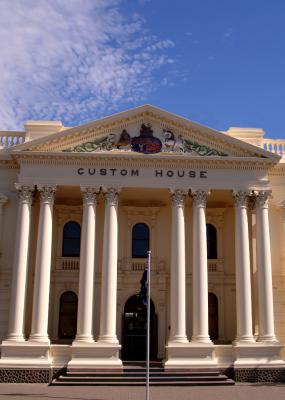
201,339
24,354
177,339
243,340
258,354
190,355
108,339
95,355
83,338
13,337
39,338
267,339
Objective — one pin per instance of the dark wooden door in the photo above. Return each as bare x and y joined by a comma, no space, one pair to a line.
134,330
213,316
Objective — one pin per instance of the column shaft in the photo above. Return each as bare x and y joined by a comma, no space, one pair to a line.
264,272
20,266
177,270
43,266
200,269
109,269
242,257
86,272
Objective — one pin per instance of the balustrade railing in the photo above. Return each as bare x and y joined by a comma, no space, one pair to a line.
67,263
276,146
216,265
9,139
138,264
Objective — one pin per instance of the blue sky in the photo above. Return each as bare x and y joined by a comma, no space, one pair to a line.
220,63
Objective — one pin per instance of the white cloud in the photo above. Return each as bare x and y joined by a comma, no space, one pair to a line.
228,33
73,60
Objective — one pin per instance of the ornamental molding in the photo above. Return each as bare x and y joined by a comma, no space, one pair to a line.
199,197
139,160
261,198
178,197
147,214
241,198
215,216
25,193
47,194
209,137
89,195
147,142
111,196
65,213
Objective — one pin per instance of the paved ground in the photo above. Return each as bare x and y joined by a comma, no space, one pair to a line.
237,392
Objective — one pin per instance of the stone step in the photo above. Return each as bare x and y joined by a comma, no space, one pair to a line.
135,376
136,383
138,378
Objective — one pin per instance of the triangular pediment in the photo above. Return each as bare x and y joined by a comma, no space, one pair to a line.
145,130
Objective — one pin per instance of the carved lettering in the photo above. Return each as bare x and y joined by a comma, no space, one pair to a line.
135,172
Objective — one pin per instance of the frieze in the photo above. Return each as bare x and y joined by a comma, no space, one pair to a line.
157,173
147,143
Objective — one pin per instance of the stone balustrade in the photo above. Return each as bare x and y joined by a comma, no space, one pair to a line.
9,139
276,146
67,263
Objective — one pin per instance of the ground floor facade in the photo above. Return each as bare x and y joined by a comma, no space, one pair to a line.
75,231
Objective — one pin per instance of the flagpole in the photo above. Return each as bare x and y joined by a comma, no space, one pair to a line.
148,325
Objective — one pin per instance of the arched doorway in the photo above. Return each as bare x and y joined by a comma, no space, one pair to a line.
67,322
134,330
213,316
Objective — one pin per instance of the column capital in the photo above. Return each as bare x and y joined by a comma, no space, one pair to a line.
177,197
241,198
25,192
199,197
89,194
47,193
111,195
262,198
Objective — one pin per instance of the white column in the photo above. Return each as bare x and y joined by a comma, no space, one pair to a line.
200,269
20,266
43,266
109,268
264,272
86,272
3,200
177,270
242,258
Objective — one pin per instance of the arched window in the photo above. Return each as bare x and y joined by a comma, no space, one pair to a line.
140,240
67,322
213,316
71,239
211,242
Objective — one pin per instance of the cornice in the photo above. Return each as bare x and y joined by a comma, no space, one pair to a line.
9,164
277,170
128,159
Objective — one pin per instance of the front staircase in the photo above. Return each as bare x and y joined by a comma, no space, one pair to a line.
134,374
